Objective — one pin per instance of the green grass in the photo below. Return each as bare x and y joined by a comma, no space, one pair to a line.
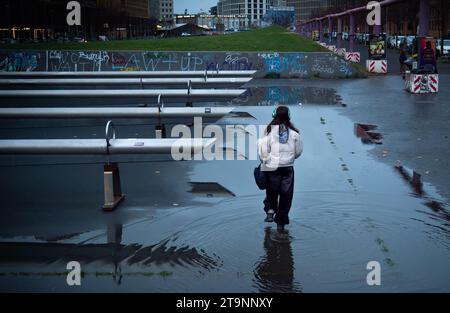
272,39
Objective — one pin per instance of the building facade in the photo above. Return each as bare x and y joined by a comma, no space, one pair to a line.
213,22
162,10
45,20
305,9
254,10
280,15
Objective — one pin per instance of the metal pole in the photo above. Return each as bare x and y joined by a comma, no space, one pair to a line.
121,74
377,30
330,29
339,33
197,94
321,30
352,32
424,18
102,146
144,112
172,82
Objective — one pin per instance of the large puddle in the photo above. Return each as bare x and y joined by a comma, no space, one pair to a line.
198,226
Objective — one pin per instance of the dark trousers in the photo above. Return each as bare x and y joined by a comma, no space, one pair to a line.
279,193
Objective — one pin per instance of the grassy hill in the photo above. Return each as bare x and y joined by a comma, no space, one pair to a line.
271,39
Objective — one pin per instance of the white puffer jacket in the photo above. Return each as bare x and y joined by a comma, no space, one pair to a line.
274,154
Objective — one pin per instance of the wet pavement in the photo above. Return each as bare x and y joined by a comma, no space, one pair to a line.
197,226
415,128
392,57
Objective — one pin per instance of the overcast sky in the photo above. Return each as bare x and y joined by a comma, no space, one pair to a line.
193,6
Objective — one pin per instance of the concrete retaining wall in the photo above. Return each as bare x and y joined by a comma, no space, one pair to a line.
289,65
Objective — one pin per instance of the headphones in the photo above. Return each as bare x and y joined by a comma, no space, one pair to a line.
274,113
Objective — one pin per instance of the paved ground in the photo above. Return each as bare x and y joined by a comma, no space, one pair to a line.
198,226
415,127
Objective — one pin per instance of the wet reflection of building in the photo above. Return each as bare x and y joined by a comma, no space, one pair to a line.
275,270
274,95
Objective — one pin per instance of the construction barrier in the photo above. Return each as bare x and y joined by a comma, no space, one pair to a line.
377,66
341,52
422,83
354,57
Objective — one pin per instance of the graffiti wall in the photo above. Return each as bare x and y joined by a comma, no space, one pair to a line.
293,65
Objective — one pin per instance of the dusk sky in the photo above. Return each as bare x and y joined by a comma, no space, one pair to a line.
193,6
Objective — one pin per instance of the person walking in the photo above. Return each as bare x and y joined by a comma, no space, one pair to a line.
278,150
402,60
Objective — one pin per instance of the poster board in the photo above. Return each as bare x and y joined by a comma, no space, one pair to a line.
426,48
377,47
315,35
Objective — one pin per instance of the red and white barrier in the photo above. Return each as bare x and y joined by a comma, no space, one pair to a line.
341,52
331,48
422,83
377,66
354,57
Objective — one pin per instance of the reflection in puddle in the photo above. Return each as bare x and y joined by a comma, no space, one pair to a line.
439,210
367,134
210,189
270,96
275,271
112,252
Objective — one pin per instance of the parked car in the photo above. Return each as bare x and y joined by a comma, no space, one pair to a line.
359,37
398,41
391,42
446,46
406,43
185,35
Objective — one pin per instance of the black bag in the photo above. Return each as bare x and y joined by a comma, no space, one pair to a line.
260,178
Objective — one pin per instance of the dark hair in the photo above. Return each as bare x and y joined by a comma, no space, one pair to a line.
281,117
